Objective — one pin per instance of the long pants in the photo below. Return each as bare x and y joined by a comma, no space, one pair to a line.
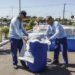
16,44
61,44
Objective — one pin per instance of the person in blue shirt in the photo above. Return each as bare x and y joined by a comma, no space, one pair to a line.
56,31
16,37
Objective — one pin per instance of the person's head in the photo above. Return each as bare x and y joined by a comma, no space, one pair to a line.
22,14
49,20
42,20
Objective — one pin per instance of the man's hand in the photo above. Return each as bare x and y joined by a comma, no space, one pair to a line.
25,38
50,39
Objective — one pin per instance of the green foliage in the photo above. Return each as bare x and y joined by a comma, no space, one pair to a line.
5,29
64,22
5,20
68,23
29,25
73,24
0,30
58,19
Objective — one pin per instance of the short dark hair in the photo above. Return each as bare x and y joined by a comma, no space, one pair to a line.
49,17
23,13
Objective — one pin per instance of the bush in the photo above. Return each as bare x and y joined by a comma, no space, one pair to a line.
0,31
73,24
29,25
5,30
68,23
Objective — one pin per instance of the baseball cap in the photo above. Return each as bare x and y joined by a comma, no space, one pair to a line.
23,13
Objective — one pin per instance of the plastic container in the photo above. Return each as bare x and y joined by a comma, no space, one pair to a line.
71,44
52,45
39,52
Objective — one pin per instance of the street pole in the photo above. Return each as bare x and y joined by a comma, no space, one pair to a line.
64,13
12,11
19,5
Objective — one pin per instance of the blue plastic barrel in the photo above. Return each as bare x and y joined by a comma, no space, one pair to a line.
39,52
52,46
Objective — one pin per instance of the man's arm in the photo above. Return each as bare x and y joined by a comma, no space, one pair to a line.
56,33
48,31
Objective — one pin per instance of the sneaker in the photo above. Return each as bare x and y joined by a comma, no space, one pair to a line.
55,62
64,66
25,67
15,67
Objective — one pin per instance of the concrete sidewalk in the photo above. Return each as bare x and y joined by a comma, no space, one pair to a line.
6,67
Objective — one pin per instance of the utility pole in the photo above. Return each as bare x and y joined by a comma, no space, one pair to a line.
12,11
64,13
19,5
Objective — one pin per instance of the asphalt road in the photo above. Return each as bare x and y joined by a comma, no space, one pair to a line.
6,67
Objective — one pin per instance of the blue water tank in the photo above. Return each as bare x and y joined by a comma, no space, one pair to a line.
39,52
71,44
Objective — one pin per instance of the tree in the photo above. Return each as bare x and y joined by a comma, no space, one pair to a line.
5,20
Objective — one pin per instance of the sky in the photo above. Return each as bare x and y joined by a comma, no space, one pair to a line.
38,8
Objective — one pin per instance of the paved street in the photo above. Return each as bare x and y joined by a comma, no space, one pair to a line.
6,67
